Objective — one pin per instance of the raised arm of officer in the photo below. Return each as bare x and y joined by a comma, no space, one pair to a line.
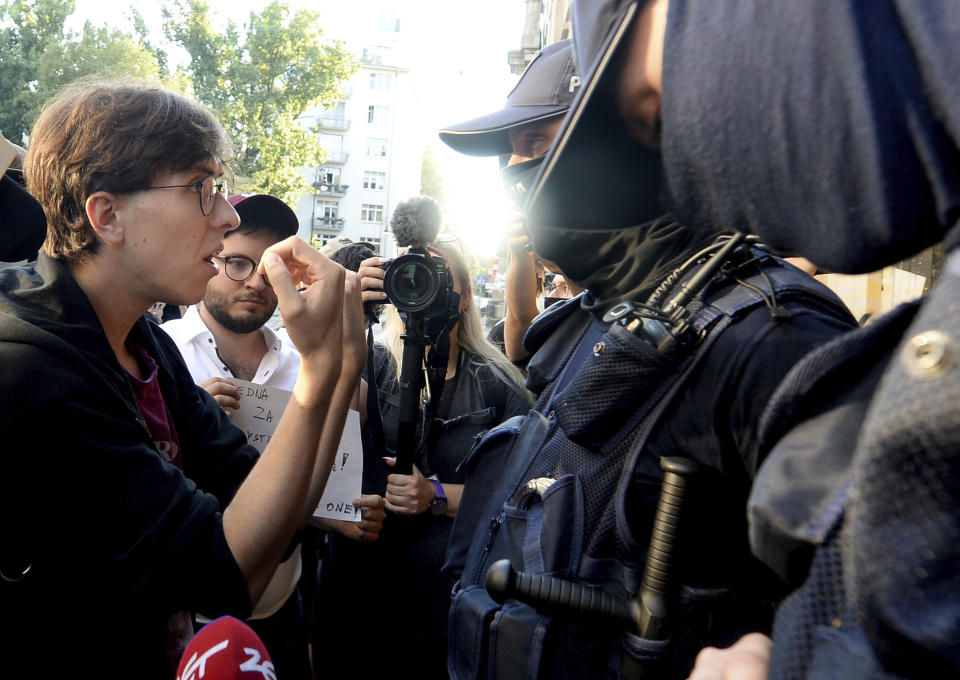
520,290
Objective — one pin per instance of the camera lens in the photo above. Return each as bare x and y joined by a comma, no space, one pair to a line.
411,283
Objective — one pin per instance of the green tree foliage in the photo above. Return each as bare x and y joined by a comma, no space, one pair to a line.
258,79
39,56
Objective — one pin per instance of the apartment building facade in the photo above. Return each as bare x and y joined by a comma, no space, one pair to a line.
373,158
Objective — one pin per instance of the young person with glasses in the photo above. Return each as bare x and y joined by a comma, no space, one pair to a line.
133,500
225,338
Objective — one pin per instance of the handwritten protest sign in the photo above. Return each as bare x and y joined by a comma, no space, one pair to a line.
346,476
258,415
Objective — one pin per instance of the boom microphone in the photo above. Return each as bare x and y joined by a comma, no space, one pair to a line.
226,649
416,222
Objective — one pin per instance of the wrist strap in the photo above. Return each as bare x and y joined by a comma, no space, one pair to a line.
438,488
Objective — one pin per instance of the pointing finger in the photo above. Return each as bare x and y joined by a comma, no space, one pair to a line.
280,278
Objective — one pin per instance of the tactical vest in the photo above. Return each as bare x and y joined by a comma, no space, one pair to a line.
582,445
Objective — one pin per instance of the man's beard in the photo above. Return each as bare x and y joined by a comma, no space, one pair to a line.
217,306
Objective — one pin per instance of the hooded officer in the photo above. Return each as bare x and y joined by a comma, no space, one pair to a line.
598,379
832,130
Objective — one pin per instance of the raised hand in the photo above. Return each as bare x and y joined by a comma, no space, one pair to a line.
309,290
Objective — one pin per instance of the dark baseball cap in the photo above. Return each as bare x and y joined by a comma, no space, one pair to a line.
596,177
546,89
265,207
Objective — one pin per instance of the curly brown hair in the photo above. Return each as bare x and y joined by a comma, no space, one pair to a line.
112,136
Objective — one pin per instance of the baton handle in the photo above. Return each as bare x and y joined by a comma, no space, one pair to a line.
657,589
555,595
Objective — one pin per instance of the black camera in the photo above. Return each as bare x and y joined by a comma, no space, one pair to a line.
417,281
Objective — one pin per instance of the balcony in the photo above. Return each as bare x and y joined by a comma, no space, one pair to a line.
333,123
328,223
337,157
330,189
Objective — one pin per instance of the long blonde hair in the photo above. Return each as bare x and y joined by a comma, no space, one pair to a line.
470,334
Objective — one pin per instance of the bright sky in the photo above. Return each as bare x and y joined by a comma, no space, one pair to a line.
460,53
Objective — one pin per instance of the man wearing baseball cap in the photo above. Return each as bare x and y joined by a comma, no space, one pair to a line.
521,134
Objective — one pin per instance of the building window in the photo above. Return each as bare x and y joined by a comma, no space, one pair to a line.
326,238
372,240
374,180
328,175
376,148
335,118
378,115
326,208
371,212
381,82
333,145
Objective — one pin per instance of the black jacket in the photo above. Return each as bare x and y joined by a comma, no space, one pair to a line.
116,539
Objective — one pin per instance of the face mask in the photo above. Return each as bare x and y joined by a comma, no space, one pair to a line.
518,179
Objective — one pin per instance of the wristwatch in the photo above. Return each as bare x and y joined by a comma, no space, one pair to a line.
438,506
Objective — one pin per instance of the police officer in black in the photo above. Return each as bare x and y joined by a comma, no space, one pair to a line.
635,378
831,129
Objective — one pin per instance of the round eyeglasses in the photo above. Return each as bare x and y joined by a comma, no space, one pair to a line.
238,267
208,189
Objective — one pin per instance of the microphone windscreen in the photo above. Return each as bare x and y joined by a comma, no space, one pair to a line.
226,649
416,221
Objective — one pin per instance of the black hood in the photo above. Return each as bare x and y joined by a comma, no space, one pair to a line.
842,156
830,128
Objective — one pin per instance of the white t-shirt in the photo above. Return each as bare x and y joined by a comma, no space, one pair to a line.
278,368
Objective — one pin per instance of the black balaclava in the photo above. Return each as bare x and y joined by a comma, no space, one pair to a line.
623,265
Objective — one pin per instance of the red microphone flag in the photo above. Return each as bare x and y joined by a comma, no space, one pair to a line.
226,649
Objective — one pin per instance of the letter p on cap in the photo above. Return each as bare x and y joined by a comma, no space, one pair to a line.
574,83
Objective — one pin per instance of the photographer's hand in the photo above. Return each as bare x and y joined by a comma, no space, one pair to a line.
412,494
408,494
371,279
